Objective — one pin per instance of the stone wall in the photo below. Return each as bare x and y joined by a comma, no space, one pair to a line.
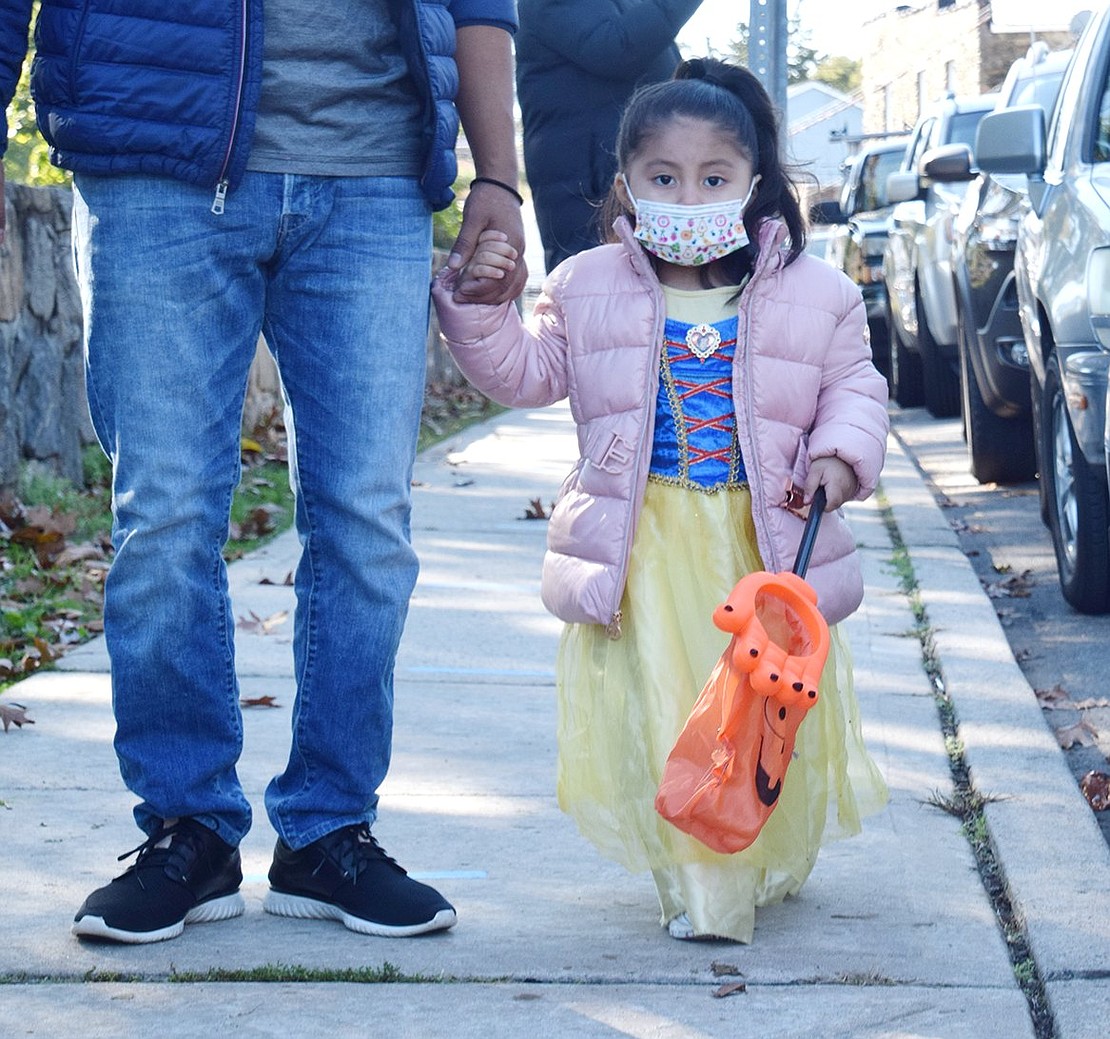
43,417
917,53
43,411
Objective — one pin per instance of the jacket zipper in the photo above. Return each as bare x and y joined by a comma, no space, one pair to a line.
222,180
613,628
756,489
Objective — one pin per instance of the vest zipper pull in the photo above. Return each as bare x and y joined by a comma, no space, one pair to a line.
218,201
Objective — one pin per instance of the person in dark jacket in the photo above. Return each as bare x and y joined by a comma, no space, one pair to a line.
244,166
577,64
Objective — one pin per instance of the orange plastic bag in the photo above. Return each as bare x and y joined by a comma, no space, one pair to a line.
723,778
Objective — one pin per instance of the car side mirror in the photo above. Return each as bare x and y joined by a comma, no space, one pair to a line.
1013,141
902,187
948,164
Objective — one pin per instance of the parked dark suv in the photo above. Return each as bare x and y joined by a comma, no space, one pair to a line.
857,237
917,263
994,363
1062,270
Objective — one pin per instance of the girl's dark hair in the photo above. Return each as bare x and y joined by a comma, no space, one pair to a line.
731,98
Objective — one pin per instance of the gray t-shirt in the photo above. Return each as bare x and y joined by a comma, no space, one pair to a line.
337,97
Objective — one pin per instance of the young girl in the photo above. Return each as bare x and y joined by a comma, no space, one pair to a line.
716,381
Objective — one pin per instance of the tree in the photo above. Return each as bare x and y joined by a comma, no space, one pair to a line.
27,158
841,73
801,59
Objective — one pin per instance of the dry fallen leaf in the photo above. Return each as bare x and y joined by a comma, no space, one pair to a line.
1082,733
1052,697
1020,586
1096,789
287,582
729,989
720,969
258,701
535,510
1090,703
263,626
77,553
14,714
258,522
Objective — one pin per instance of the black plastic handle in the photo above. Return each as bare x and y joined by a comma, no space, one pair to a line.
809,535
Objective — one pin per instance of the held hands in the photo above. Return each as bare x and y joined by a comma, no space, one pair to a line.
488,254
494,260
836,476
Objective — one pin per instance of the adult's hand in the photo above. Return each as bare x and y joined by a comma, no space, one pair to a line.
489,208
484,57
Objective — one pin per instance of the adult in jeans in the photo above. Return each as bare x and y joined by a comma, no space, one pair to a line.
267,166
577,63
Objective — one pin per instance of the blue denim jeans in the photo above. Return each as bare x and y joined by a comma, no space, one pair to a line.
335,273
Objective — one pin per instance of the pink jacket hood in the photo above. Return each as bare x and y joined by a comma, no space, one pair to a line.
803,387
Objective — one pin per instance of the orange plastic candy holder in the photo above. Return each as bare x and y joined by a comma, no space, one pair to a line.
723,778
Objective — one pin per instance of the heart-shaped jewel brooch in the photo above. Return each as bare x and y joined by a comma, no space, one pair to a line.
703,341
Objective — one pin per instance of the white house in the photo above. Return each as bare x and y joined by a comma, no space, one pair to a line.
818,117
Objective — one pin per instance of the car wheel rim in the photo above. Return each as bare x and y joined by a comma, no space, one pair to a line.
1063,479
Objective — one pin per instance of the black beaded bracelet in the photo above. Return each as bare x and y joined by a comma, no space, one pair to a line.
500,184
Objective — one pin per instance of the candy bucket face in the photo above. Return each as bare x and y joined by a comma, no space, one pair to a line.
776,748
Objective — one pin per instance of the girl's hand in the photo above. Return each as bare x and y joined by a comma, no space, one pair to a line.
494,259
836,476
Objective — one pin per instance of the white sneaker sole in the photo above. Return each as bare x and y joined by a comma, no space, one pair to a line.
301,908
224,908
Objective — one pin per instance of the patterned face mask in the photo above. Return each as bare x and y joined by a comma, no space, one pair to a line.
691,236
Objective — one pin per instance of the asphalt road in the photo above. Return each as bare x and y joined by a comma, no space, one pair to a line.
1063,654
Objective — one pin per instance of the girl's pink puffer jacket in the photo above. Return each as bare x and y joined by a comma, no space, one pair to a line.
803,387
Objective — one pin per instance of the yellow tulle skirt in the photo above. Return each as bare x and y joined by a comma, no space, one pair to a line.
623,703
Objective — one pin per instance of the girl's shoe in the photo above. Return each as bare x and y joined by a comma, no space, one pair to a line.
680,927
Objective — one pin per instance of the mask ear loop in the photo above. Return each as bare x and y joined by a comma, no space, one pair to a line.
628,190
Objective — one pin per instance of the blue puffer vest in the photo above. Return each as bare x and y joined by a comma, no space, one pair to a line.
130,86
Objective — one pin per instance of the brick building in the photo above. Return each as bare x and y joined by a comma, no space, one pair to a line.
919,52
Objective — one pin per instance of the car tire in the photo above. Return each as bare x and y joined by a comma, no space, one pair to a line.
1078,508
940,382
880,349
1000,450
906,384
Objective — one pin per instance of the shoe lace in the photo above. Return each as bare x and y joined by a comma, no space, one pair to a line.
175,846
355,849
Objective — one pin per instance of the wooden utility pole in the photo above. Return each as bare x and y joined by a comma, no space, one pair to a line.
767,47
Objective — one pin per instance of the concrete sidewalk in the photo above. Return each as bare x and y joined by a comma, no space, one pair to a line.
892,936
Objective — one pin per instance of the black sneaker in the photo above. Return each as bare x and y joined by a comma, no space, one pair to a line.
184,874
346,876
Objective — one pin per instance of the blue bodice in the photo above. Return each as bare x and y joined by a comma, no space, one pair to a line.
695,425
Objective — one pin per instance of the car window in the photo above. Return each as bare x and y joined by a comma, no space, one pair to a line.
920,143
1102,131
876,168
1038,90
1070,101
963,127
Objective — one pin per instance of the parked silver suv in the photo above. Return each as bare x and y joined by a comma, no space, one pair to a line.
1062,267
857,235
917,267
994,363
